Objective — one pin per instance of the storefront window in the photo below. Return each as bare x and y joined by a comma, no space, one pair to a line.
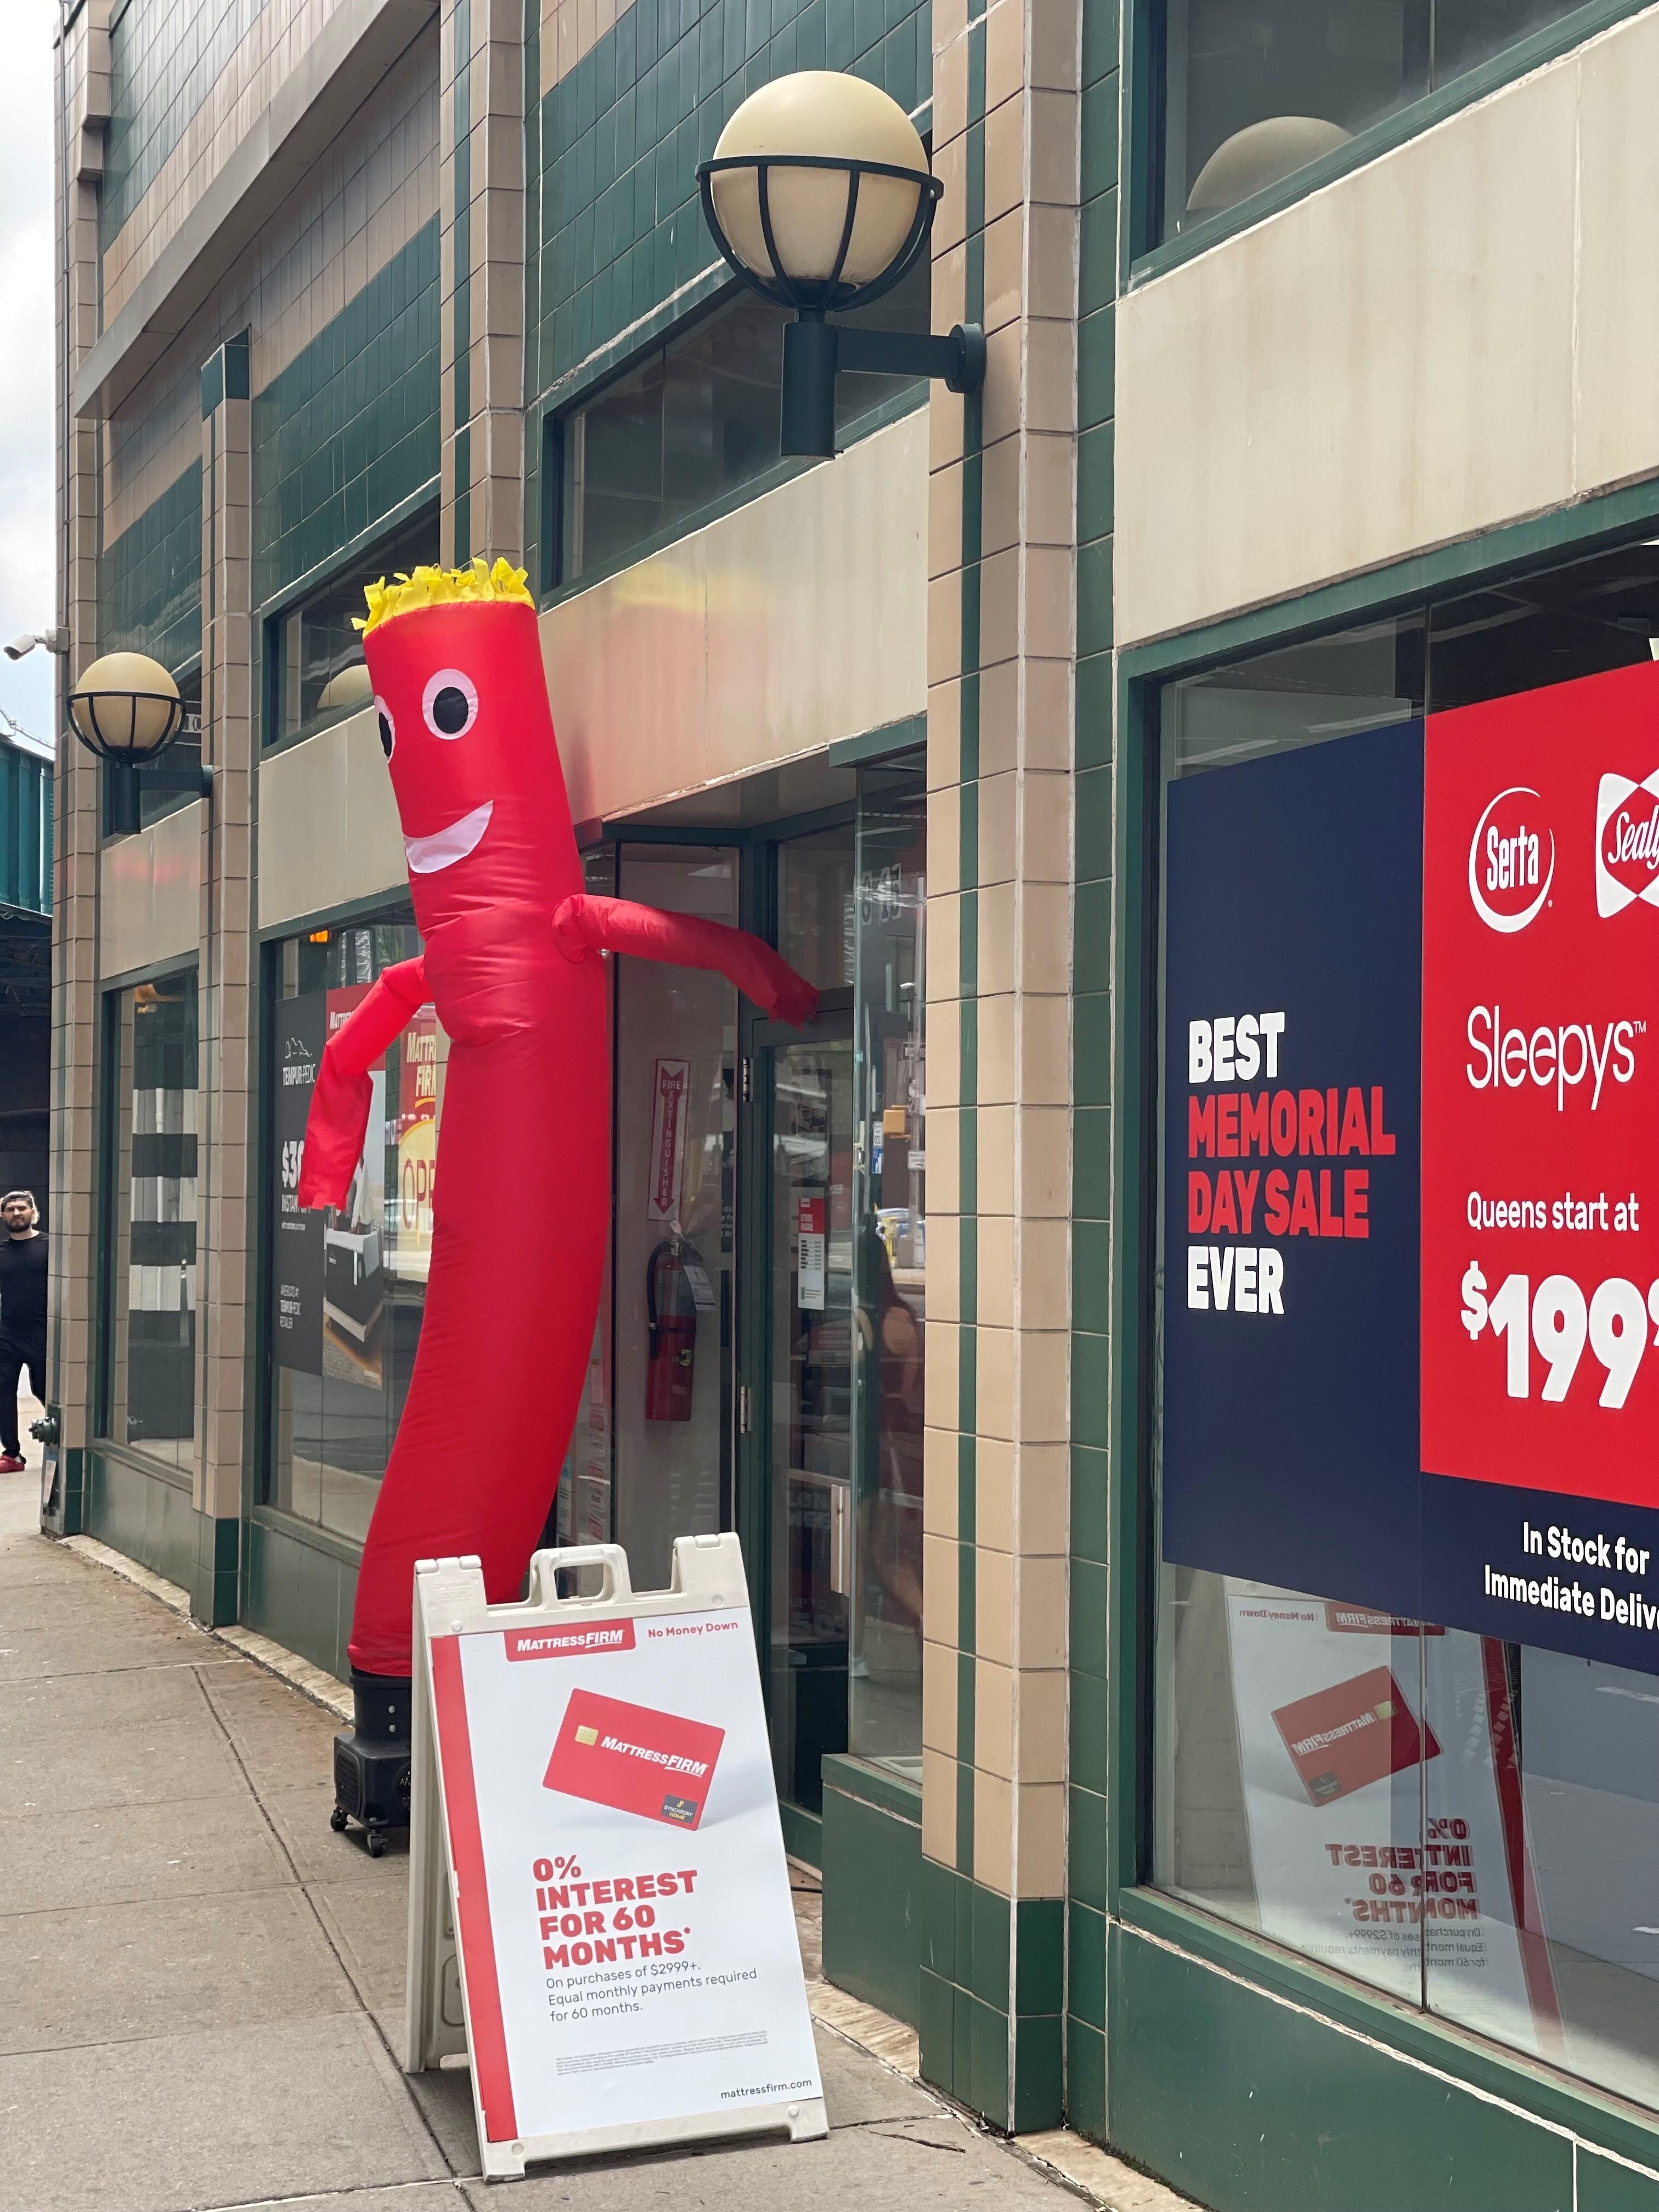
818,914
890,1260
581,1506
659,450
317,673
1464,1818
1254,93
347,1287
675,1247
185,752
150,1394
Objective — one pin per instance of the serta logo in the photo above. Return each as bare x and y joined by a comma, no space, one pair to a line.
1511,861
1627,842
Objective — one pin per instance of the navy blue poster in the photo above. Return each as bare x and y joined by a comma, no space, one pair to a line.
1292,1159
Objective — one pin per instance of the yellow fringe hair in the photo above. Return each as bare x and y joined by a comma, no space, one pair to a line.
441,588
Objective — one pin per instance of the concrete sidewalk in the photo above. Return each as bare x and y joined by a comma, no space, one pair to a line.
205,1985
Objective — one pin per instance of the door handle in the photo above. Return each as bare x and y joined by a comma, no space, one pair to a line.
839,1492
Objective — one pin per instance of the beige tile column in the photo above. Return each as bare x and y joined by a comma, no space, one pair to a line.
1001,647
83,85
482,284
226,1171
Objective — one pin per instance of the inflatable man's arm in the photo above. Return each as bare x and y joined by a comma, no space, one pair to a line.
338,1119
584,925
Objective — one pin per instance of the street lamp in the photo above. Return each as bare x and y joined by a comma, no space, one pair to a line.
127,708
820,198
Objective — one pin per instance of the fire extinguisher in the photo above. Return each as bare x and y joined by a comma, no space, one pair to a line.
671,1310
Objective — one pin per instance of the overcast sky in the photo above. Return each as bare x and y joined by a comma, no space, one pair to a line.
28,584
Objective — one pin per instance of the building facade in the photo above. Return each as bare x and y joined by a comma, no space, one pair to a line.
1317,403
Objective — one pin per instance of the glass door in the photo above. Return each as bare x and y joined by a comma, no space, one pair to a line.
809,1093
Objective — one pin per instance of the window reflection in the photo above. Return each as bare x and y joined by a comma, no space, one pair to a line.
150,1385
1469,1824
694,423
891,1263
348,1286
675,1221
1254,93
317,675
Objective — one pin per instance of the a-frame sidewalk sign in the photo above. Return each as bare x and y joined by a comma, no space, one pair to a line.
600,1915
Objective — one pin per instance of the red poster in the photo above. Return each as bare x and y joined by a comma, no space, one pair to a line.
1539,1261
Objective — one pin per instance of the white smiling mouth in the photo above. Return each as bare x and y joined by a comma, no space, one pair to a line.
445,846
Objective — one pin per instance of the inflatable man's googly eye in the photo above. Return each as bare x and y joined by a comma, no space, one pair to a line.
388,734
450,703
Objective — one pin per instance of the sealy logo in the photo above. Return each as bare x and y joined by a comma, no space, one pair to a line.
1511,862
1627,842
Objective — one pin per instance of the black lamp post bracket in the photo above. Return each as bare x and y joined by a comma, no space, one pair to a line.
958,360
815,350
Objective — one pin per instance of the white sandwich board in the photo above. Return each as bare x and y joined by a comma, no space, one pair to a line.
599,1916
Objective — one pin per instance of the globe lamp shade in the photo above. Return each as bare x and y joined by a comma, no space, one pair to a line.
819,193
125,707
349,687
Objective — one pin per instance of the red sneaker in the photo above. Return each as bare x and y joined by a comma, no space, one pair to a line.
10,1466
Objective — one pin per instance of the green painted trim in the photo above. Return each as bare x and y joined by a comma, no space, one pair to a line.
872,1785
216,1582
1511,548
1607,2121
1252,2106
257,1390
297,1592
1140,138
803,1835
872,1875
70,1518
181,964
1547,44
1133,1214
881,743
142,1511
308,1534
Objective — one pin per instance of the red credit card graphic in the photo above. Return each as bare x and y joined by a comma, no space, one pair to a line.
1356,1732
634,1758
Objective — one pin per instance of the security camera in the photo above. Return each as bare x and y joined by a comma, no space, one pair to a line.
55,640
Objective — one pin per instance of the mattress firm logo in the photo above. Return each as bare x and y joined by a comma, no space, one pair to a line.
1511,861
673,1761
1626,843
569,1642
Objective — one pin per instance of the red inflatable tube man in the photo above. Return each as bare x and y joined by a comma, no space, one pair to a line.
522,1200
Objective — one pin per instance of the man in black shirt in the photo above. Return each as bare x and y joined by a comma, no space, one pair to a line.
22,1317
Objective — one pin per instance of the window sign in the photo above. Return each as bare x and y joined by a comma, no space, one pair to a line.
1407,1357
